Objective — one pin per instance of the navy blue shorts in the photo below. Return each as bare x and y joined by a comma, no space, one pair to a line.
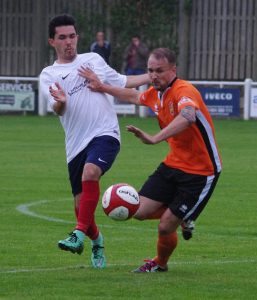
101,151
185,194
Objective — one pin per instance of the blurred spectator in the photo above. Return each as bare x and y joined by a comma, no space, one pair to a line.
135,57
101,46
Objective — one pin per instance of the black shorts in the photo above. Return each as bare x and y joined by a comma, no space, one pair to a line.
185,194
101,151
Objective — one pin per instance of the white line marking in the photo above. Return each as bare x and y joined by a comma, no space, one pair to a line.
42,269
25,209
210,262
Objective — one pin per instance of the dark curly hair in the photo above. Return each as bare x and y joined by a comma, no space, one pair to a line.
61,20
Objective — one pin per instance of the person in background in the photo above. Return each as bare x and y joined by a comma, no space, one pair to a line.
135,57
101,46
92,134
181,186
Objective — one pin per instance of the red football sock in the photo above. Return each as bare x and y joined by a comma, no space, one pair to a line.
165,246
93,231
87,205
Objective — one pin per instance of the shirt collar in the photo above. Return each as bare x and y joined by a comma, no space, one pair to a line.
160,94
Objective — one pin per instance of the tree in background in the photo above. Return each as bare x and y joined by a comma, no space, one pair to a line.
154,20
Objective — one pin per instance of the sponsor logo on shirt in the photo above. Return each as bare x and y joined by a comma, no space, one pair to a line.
64,77
79,87
171,108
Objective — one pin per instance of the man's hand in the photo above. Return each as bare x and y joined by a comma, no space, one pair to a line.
124,94
143,136
94,82
58,94
60,98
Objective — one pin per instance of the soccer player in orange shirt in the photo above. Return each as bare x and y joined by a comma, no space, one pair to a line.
179,189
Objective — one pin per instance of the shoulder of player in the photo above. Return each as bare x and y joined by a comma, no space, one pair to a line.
184,92
180,83
183,88
89,56
92,46
107,43
46,73
183,84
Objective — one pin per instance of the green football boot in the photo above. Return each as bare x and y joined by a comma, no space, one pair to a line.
98,258
74,243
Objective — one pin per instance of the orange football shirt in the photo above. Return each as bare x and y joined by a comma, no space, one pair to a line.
194,150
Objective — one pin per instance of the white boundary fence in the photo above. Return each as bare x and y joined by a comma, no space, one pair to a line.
248,88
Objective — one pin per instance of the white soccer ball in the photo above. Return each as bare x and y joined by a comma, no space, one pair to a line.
120,202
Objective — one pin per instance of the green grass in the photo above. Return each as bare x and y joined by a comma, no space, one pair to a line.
220,262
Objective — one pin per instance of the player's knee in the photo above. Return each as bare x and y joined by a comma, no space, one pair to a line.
91,172
164,229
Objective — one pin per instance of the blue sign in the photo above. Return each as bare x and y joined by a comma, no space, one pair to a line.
222,102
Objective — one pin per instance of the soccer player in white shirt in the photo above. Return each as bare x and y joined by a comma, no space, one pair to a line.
92,134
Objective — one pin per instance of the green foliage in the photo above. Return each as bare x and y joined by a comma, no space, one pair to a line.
89,22
218,263
155,21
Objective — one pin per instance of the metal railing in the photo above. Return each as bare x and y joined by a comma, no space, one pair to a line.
247,85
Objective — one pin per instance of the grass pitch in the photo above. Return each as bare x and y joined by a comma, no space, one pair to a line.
36,210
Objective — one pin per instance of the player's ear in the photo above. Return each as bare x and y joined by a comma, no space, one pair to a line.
51,42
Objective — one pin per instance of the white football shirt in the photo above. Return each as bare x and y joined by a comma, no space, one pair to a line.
88,114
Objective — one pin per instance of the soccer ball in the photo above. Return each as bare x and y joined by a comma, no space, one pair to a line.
120,202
